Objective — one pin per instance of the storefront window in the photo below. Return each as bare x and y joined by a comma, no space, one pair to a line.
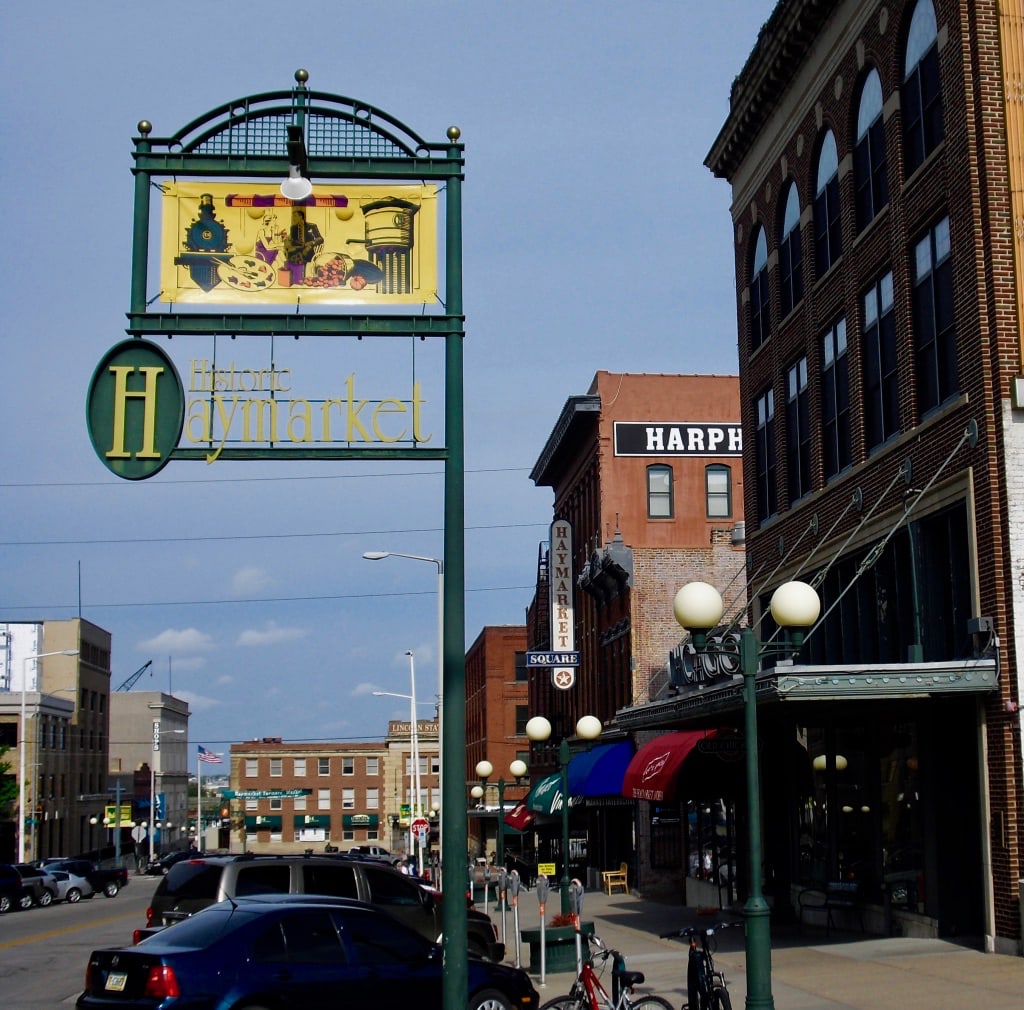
711,844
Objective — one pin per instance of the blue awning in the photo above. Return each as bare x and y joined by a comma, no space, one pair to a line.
601,770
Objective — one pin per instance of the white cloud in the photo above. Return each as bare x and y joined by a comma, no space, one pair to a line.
197,702
175,640
364,689
270,635
251,580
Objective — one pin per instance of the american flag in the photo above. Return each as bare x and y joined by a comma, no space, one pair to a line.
209,757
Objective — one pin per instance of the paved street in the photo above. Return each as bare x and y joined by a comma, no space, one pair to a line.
809,971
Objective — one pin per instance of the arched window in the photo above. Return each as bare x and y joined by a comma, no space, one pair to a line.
760,306
871,178
659,492
828,234
923,128
718,491
791,269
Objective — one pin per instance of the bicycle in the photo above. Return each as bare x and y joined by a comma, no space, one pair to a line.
706,987
587,992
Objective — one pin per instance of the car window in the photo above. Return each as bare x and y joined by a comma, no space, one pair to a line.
193,881
311,937
262,879
389,888
334,881
376,939
199,931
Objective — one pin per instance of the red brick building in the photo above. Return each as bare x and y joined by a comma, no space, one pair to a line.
646,472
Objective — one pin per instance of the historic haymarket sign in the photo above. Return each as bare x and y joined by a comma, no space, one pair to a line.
678,438
139,411
563,622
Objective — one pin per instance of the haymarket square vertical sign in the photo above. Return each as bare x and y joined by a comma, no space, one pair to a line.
313,220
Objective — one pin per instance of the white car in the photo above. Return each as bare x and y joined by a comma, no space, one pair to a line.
70,886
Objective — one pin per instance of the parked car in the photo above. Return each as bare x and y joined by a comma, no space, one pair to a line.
71,887
158,867
38,884
194,884
285,951
375,852
103,879
12,889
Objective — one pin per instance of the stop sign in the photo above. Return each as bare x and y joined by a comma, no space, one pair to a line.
421,827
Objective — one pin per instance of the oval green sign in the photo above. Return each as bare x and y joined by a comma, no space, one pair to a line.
135,409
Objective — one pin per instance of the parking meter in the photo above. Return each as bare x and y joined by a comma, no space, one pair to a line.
502,904
543,889
576,910
514,883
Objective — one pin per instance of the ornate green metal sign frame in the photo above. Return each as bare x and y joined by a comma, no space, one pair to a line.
333,138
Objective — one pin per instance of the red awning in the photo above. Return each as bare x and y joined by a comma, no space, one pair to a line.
520,817
653,774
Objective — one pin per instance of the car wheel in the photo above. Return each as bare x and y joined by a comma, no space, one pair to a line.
5,903
46,898
110,889
25,901
73,895
489,999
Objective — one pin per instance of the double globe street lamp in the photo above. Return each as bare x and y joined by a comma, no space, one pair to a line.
538,730
484,770
795,607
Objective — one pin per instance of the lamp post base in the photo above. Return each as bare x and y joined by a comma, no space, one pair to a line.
758,943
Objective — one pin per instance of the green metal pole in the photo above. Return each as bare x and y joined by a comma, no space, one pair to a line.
455,966
140,229
755,911
563,768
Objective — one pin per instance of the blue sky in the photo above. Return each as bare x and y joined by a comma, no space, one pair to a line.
594,238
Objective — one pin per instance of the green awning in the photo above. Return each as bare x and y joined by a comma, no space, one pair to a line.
263,822
359,820
312,821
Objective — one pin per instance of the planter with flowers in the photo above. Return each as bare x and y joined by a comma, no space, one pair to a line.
559,944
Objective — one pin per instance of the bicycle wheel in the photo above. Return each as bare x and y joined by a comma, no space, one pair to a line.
649,1003
566,1003
720,999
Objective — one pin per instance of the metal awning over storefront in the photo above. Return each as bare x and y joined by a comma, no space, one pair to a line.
653,774
789,683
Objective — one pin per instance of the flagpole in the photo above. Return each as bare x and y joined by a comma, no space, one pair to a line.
199,804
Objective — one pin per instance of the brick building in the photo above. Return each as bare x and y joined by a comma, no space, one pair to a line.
874,156
646,474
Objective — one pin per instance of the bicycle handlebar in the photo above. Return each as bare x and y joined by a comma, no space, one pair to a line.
698,930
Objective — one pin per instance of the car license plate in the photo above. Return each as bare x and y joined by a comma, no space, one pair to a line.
116,981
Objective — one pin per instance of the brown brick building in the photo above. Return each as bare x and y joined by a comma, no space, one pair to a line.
874,152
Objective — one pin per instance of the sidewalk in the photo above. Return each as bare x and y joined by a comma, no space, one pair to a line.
809,971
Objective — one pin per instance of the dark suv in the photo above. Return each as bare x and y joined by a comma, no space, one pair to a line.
12,889
196,883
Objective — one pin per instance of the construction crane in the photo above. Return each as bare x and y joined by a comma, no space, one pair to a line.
131,681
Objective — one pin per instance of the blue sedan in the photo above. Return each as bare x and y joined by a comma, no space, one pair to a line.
282,952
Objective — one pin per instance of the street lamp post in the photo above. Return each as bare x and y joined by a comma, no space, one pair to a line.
485,770
795,605
538,729
23,756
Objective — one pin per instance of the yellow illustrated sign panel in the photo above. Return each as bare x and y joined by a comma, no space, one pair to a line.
242,243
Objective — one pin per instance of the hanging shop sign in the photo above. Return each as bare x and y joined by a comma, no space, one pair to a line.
237,243
679,438
563,621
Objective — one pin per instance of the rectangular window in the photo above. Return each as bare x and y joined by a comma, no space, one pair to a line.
252,768
659,492
348,835
323,799
835,401
299,767
718,489
276,767
881,372
348,766
299,803
798,431
348,799
522,718
252,804
372,799
323,766
275,803
522,671
767,502
934,322
372,767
